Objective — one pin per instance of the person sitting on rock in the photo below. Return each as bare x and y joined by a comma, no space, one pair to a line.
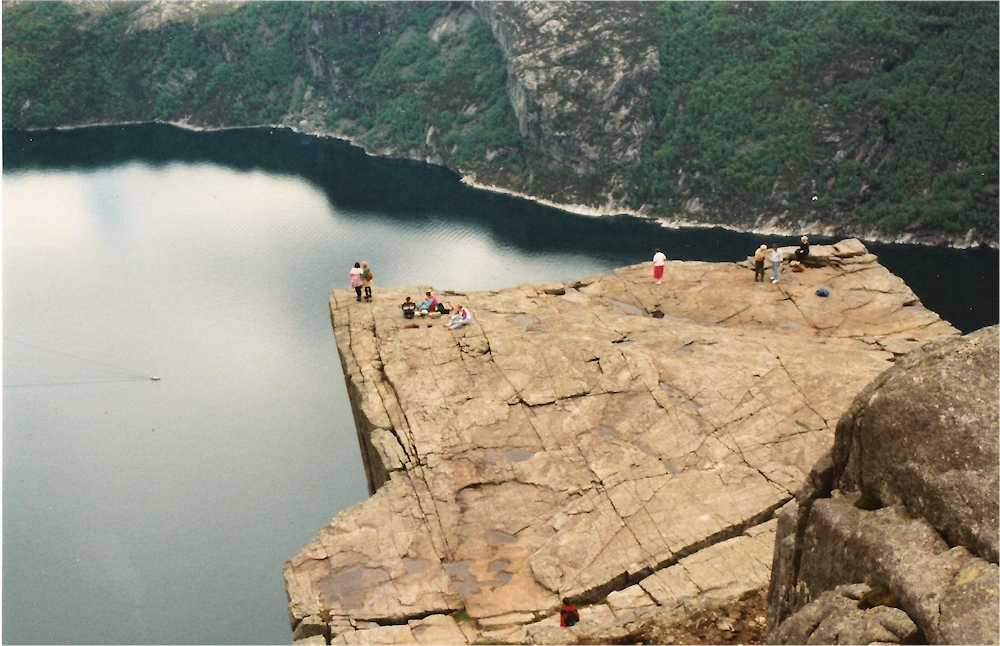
569,615
460,317
803,249
427,305
409,308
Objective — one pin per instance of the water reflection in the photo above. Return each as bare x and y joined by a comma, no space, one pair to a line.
361,188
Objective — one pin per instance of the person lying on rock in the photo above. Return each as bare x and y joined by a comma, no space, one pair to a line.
409,308
427,305
460,317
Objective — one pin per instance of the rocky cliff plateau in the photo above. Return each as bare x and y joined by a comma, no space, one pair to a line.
619,442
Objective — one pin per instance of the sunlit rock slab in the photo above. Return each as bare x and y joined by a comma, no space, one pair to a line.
575,441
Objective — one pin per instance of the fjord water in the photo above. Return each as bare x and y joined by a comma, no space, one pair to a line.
141,511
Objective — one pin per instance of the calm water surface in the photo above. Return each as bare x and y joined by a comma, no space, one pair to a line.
140,511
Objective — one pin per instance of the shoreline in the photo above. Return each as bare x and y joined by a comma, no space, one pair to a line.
812,229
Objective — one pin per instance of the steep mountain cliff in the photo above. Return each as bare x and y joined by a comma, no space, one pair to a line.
872,119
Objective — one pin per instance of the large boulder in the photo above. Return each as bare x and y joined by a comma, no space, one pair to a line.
906,503
924,435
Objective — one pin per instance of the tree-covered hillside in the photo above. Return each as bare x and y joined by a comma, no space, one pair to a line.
871,118
879,113
420,78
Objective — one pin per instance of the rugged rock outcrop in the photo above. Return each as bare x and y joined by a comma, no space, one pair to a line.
619,442
578,77
894,538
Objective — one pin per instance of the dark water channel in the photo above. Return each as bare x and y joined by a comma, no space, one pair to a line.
141,511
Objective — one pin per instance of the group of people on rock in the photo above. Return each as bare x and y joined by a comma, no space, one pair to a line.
430,306
361,280
777,257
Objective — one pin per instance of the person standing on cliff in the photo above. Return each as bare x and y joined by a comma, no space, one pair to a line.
356,279
776,257
758,263
658,259
366,280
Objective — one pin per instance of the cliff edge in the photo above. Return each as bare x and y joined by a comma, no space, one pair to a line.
619,442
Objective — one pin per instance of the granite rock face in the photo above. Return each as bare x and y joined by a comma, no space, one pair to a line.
906,504
935,414
845,615
578,78
612,440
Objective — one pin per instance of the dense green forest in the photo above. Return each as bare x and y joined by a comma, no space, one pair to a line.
756,99
389,82
877,117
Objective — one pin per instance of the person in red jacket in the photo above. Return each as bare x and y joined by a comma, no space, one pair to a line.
568,616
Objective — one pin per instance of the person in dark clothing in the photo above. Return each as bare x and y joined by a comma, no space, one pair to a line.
568,616
758,263
408,307
366,280
803,249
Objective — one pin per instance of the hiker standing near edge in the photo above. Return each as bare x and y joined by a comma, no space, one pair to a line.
356,279
758,263
776,258
658,259
366,280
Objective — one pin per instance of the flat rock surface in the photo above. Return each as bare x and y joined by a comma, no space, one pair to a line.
573,442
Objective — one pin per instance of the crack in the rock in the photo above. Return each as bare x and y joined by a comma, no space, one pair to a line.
520,398
788,297
737,448
714,539
802,393
431,513
392,392
737,313
861,306
602,590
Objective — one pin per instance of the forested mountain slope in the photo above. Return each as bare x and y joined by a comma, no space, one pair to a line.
874,119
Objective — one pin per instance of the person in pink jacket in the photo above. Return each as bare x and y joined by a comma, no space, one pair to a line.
356,279
428,305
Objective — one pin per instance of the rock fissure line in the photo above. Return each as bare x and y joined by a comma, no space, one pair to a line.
427,507
798,309
602,590
391,391
804,399
734,315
